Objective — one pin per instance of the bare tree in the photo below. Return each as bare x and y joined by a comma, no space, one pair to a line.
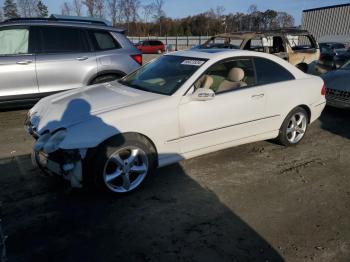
99,8
148,11
1,16
129,10
115,11
66,8
77,7
27,8
159,13
90,4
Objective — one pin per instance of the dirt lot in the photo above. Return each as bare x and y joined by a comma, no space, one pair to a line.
258,202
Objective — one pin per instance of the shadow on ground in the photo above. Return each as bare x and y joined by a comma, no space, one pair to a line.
172,218
336,121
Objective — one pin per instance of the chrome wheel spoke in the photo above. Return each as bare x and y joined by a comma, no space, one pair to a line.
126,181
132,157
300,120
300,130
111,177
290,130
117,160
138,169
294,134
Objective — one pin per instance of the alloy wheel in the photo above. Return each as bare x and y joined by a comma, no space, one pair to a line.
125,169
296,127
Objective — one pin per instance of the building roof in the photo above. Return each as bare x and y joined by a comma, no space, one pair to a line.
326,7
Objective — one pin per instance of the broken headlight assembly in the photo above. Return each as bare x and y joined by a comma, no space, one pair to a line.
50,143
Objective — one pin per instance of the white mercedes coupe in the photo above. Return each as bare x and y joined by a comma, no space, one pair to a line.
179,106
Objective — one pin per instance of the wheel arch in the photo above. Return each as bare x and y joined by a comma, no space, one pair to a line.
105,72
308,111
133,135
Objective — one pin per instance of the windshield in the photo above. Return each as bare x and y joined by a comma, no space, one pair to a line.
346,66
165,75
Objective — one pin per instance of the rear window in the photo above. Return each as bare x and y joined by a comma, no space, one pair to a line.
14,41
103,40
62,40
156,43
268,72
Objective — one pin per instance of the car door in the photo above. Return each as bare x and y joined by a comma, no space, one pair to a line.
17,63
279,89
66,60
233,114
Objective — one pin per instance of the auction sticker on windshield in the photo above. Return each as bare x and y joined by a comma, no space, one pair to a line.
193,62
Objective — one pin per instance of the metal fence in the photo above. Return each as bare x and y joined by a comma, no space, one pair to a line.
177,42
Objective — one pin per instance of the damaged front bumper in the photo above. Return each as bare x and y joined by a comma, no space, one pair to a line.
65,163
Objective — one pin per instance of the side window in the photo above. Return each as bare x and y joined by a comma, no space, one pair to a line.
228,76
62,40
300,42
254,45
14,41
268,72
104,41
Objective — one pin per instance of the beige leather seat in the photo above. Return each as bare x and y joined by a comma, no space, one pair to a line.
234,80
205,81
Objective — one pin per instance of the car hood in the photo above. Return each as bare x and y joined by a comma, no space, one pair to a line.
339,79
65,109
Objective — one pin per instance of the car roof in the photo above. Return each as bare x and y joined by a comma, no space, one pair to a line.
80,22
211,53
251,34
219,54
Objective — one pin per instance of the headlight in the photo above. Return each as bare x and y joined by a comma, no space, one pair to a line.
54,141
39,144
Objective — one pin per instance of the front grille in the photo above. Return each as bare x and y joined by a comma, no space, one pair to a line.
335,94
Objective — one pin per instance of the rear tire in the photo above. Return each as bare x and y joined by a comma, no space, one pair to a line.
121,164
294,127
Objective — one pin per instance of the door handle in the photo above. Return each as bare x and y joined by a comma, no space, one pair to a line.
82,58
258,96
24,62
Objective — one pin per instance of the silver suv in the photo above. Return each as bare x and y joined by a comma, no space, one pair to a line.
39,57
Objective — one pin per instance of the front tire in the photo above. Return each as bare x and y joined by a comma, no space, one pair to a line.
294,127
122,163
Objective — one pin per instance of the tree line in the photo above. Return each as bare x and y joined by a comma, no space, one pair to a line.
151,19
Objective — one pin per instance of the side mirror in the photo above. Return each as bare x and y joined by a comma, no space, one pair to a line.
203,94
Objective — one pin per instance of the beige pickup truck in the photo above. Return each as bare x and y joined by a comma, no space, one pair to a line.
296,46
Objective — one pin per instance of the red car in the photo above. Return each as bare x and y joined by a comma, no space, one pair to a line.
151,47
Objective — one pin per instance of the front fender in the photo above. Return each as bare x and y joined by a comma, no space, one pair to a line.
88,134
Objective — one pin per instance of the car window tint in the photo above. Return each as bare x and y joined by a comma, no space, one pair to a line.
14,41
229,75
105,41
268,72
62,40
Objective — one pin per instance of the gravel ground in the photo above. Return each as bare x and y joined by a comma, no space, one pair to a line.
257,202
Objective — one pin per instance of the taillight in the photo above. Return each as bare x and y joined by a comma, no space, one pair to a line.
323,90
137,58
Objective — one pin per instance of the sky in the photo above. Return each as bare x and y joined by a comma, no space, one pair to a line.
183,8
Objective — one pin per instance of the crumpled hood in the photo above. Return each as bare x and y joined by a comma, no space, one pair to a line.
339,79
65,109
